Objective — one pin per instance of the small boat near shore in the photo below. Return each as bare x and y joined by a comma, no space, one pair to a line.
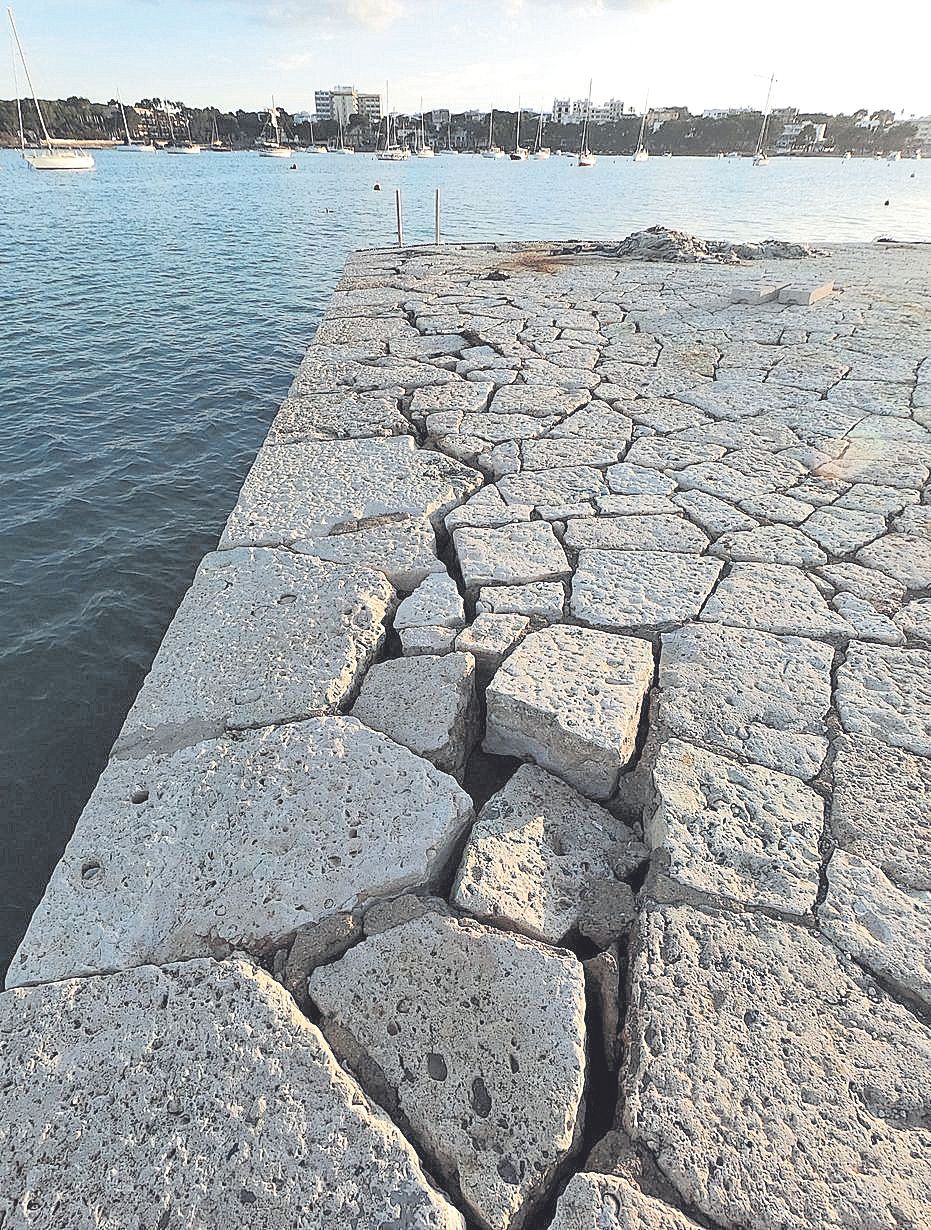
269,142
540,151
492,150
518,154
136,146
641,153
586,157
52,158
760,157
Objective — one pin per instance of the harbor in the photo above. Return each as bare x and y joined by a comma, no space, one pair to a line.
521,822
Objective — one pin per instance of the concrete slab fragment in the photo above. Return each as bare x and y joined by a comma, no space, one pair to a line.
640,589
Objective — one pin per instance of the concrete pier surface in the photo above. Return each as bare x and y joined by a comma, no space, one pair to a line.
525,821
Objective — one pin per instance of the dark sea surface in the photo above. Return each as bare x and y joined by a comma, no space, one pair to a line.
151,316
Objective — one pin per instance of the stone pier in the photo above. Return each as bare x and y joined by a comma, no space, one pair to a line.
525,821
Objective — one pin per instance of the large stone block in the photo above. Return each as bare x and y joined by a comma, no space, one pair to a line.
735,830
609,1202
235,844
886,694
425,703
476,1041
748,693
299,491
570,699
192,1095
512,555
262,636
535,853
776,1085
628,590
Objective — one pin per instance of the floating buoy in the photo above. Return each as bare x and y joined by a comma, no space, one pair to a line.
293,166
377,188
885,202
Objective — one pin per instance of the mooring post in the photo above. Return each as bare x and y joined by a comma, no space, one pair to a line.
397,201
437,217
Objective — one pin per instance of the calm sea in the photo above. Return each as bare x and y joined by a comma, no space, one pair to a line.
150,316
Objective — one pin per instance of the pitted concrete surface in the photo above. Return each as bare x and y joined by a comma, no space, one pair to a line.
686,538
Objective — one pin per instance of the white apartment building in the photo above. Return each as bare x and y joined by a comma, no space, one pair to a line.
572,111
345,100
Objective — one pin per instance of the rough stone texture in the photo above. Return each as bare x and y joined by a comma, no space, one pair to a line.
658,533
777,1087
748,693
882,808
315,944
336,416
737,831
570,700
192,1095
402,547
427,704
774,598
234,844
640,589
886,693
261,636
545,599
300,491
476,1040
490,638
886,928
435,603
512,555
608,1202
906,557
535,852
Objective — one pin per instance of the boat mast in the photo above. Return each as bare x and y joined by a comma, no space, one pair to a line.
539,144
517,130
123,114
19,105
32,88
761,142
643,123
423,131
491,121
583,148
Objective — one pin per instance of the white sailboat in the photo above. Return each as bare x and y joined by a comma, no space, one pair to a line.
586,157
641,153
51,158
492,151
342,148
759,155
313,148
217,146
449,140
540,151
518,154
186,146
129,144
269,142
425,150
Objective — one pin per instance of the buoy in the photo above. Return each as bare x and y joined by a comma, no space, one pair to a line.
885,202
377,188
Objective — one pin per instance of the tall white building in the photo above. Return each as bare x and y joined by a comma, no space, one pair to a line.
345,100
572,111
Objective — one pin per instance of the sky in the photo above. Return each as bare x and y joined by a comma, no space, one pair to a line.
828,55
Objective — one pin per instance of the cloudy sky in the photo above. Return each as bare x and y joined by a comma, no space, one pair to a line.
829,55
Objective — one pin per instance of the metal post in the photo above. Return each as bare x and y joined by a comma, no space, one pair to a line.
397,201
437,217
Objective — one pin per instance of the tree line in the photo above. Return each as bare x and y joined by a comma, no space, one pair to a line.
81,119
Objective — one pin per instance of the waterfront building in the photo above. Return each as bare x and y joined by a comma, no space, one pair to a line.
344,101
574,111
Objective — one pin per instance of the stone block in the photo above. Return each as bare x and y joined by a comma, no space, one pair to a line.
755,295
805,296
570,699
511,555
630,590
235,844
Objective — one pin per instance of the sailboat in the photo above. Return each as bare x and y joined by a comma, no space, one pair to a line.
392,151
425,151
449,140
341,148
268,142
142,147
313,148
518,154
641,153
49,159
759,156
179,147
216,145
540,151
586,157
492,151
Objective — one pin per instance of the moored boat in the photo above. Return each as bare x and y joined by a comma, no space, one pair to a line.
52,158
586,157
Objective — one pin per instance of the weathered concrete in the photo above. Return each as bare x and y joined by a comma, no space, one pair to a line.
579,435
570,699
260,637
236,843
194,1094
476,1040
